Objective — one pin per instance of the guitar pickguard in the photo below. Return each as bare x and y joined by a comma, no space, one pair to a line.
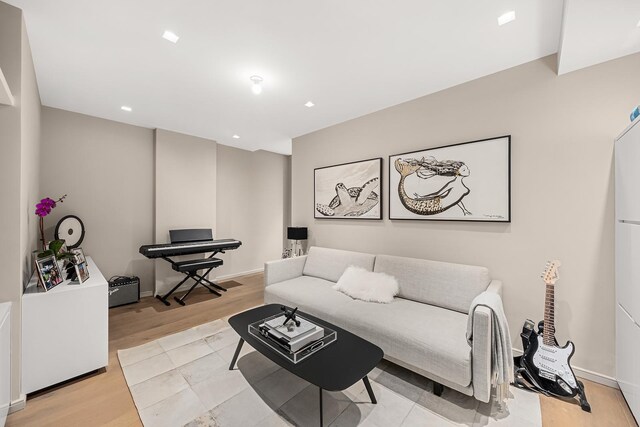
553,361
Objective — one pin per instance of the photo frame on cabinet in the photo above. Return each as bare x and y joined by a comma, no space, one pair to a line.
348,190
48,272
470,181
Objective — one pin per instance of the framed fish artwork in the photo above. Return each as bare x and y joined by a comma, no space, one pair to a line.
470,181
349,190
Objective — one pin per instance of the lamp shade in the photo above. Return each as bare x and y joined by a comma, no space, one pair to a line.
297,233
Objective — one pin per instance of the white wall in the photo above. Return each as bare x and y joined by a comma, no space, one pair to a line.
253,207
106,170
562,188
185,192
19,141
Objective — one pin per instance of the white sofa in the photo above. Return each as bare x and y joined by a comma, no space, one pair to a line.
423,329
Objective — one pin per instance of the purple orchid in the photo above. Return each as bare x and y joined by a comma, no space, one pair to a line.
44,208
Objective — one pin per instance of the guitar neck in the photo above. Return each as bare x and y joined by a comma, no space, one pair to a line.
549,313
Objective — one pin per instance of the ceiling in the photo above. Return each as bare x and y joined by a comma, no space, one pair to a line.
596,31
349,57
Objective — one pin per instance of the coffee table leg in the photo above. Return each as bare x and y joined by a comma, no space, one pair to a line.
235,356
321,422
367,384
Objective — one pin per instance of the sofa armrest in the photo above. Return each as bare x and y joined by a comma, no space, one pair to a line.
481,353
283,269
495,286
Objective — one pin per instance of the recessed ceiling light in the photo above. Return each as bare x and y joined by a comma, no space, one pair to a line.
172,37
505,18
126,108
257,84
236,137
309,104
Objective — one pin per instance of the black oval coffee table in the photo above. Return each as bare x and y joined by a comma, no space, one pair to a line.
334,368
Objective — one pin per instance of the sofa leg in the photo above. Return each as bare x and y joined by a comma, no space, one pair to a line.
437,388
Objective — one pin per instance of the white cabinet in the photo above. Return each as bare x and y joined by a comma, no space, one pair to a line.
65,331
628,267
627,350
5,360
627,155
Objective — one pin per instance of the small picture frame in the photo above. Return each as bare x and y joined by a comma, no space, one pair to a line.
78,256
48,272
82,272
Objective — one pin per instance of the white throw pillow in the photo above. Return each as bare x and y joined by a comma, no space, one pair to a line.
365,285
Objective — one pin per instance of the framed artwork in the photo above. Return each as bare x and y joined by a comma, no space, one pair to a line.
82,272
48,272
470,181
349,190
78,255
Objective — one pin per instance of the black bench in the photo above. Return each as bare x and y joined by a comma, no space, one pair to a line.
193,265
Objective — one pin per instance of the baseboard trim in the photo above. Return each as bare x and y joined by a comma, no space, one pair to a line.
18,404
186,286
586,374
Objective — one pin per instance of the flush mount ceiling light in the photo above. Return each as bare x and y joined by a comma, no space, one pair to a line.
507,17
126,108
172,37
256,88
236,136
309,104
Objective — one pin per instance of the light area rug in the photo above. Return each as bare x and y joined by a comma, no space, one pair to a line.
184,380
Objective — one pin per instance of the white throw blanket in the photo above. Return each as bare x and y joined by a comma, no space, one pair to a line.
501,353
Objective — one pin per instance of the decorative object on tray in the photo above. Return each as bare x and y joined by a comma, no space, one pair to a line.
287,253
44,208
364,285
292,336
71,229
48,272
470,181
297,234
350,190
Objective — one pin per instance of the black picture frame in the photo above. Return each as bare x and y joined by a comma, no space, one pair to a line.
391,165
379,191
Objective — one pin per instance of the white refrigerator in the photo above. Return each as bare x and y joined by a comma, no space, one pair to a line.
627,193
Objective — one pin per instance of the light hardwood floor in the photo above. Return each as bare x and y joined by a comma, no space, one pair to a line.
103,399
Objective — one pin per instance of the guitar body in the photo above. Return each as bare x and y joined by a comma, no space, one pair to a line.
550,366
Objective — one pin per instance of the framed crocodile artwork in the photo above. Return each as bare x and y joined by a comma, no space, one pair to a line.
349,190
470,181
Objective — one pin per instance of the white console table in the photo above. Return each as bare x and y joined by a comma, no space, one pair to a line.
65,331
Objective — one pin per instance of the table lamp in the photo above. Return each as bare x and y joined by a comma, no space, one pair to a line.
296,234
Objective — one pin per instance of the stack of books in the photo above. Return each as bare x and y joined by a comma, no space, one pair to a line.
291,337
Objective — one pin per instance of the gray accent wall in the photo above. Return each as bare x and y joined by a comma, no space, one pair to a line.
130,185
253,205
106,169
185,192
562,132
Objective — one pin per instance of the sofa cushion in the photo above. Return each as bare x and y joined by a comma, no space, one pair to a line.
310,294
425,336
444,284
329,264
364,285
